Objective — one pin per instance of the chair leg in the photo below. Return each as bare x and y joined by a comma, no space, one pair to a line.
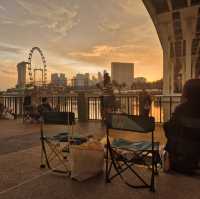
157,161
152,186
107,165
42,165
44,153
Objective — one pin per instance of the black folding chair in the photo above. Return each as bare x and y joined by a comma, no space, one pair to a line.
142,151
55,146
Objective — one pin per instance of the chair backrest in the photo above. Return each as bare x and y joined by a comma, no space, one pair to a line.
127,122
65,118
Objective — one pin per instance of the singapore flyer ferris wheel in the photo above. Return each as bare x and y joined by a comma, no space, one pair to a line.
32,71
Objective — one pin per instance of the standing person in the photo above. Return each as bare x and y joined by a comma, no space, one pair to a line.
45,106
144,103
107,98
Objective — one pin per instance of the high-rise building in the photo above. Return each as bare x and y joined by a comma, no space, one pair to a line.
21,69
122,73
81,80
58,79
54,78
63,79
178,26
100,77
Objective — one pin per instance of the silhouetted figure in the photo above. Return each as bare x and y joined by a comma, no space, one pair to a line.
144,103
45,106
27,108
107,97
183,147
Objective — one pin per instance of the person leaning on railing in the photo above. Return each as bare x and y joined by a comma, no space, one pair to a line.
144,103
44,106
107,96
182,148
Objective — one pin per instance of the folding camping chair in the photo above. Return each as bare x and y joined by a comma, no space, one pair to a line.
52,147
141,151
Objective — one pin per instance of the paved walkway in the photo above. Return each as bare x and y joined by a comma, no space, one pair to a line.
21,177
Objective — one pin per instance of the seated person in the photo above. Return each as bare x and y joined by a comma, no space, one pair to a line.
27,104
28,108
45,106
183,148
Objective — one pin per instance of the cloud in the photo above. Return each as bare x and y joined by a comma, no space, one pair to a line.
108,51
2,8
109,26
131,7
57,18
8,69
7,72
10,48
96,51
138,53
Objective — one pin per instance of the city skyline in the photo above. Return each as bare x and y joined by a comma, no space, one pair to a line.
78,37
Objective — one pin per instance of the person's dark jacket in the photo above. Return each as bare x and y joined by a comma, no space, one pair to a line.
182,143
45,107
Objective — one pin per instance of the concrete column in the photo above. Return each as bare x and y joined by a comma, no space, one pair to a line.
188,56
189,29
167,67
166,74
82,107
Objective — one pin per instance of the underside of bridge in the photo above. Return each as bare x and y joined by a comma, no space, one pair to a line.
178,26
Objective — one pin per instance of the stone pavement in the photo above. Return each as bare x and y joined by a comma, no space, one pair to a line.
21,177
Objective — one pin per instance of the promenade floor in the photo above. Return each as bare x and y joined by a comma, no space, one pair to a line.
21,177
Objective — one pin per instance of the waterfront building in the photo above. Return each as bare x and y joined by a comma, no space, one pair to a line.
54,78
21,70
58,79
140,80
81,80
63,79
100,77
94,81
122,73
178,27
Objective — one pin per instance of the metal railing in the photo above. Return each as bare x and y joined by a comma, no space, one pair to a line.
162,107
64,103
14,103
61,103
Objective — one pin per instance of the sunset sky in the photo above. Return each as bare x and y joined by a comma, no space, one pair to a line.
78,36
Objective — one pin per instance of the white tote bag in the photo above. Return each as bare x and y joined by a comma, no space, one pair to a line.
86,160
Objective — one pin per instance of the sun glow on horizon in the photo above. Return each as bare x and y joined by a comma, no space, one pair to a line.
75,40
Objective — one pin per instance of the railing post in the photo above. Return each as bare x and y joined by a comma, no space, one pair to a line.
160,105
15,106
128,105
58,104
82,107
137,105
21,106
170,106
